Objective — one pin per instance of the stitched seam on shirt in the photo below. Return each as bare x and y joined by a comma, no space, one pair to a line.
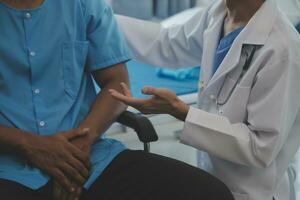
113,60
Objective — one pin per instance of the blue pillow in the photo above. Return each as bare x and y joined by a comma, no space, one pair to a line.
180,74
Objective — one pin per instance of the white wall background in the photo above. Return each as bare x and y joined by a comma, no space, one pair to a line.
149,9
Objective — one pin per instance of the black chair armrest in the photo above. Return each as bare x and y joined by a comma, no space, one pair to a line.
142,126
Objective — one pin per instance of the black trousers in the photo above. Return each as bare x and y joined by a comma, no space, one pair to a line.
136,175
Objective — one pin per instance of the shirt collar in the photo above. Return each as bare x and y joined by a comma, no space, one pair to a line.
258,29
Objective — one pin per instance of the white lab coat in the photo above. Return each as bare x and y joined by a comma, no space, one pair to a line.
252,134
291,8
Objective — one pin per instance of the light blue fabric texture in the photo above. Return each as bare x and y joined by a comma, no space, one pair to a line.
47,55
224,47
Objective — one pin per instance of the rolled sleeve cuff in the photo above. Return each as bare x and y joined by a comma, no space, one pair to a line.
206,131
109,62
208,120
218,137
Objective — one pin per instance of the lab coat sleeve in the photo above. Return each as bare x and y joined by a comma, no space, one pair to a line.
272,110
174,47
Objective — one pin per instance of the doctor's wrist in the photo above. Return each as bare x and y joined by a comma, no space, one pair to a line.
180,110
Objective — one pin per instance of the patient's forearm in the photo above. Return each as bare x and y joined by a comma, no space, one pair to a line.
106,109
103,112
12,140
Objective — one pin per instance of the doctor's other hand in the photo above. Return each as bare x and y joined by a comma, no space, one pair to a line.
162,101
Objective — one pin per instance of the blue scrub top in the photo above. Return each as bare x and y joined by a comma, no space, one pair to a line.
224,47
47,55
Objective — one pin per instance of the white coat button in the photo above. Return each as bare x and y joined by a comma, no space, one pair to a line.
36,91
212,97
42,123
32,53
221,112
201,85
27,15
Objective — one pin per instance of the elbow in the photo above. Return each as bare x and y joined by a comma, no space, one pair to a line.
265,150
261,158
263,164
255,162
264,159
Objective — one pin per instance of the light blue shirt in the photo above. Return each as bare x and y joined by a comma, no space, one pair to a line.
224,47
47,55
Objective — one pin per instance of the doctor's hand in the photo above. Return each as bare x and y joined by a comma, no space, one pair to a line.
162,101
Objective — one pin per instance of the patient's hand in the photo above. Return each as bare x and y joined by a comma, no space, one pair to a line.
84,143
60,193
162,101
62,160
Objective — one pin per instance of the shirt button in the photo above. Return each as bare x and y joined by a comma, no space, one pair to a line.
27,15
42,123
32,53
36,91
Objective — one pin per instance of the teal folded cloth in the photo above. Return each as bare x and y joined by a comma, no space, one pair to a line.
180,74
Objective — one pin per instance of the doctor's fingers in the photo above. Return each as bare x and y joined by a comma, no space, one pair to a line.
126,90
153,105
128,100
160,92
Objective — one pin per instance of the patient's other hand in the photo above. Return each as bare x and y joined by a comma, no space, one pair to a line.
85,142
59,192
62,160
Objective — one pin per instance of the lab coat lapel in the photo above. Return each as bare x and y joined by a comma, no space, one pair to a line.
256,32
229,63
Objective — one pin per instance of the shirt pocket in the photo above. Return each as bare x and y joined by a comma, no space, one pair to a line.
227,90
74,60
233,99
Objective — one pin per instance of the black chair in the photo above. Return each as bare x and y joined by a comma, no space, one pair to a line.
141,125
